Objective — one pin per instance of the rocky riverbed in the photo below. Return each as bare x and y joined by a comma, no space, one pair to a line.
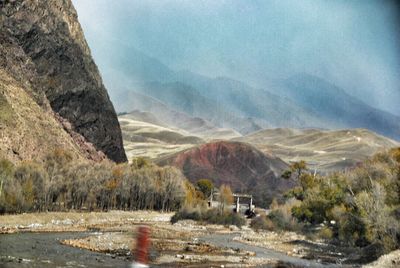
183,244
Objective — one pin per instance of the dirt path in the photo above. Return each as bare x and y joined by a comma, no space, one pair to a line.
227,240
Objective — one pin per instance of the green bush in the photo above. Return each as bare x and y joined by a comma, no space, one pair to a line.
325,233
212,216
226,218
262,223
186,214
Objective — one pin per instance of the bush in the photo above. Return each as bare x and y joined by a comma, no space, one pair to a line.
212,216
226,218
262,223
186,214
205,186
325,233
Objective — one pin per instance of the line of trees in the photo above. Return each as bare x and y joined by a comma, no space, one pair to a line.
62,183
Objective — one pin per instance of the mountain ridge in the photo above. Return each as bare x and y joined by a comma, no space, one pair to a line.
257,108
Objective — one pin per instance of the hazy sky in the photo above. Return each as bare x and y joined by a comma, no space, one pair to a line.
354,44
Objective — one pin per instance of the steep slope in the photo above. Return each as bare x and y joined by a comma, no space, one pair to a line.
29,129
239,165
323,150
153,140
335,105
26,130
53,50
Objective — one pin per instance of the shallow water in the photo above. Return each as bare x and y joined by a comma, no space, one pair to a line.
45,250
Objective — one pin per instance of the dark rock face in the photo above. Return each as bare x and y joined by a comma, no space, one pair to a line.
237,164
49,34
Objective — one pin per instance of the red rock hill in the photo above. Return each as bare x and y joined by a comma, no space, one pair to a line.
239,165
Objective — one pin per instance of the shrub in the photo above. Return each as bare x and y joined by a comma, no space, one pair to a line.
325,233
212,216
262,223
186,214
226,218
205,186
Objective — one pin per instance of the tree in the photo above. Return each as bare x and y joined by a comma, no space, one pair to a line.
32,178
298,168
225,197
205,186
6,172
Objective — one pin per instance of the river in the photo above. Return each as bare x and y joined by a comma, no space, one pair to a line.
45,250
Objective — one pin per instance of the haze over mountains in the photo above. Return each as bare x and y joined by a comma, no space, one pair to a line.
301,101
353,45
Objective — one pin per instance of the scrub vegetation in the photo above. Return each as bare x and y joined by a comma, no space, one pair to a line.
360,207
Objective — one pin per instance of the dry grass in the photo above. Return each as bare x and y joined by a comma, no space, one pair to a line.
324,150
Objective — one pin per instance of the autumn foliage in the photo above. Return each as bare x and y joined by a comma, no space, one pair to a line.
61,183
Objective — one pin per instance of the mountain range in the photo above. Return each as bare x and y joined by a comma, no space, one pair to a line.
300,101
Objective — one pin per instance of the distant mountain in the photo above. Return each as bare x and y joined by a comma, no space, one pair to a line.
334,105
302,101
222,101
239,165
323,150
259,104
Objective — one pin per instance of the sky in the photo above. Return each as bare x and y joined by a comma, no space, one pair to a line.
353,44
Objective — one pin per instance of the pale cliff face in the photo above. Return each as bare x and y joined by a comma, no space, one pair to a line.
54,58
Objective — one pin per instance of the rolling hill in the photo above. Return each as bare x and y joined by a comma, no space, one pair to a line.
150,110
152,140
324,150
240,165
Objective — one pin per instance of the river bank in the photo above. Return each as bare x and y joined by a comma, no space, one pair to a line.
183,244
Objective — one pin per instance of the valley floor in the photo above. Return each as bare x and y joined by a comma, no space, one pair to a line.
184,244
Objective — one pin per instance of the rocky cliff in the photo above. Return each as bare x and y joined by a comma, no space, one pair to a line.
44,50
